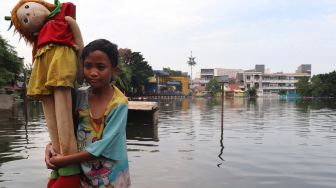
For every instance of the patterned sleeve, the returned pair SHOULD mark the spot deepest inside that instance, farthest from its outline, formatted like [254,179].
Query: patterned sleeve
[112,145]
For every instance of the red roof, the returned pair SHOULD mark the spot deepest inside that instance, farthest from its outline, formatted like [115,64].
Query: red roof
[199,88]
[234,87]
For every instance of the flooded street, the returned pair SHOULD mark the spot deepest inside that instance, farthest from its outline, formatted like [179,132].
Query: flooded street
[263,143]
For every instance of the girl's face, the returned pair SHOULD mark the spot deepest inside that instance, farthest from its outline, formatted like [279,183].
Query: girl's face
[32,16]
[98,69]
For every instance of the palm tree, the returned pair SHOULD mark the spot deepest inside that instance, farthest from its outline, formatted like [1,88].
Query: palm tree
[191,62]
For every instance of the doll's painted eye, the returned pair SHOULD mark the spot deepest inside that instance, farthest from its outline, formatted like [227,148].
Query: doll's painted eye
[27,7]
[25,20]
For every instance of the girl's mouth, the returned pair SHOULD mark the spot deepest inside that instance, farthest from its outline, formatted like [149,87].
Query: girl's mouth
[94,81]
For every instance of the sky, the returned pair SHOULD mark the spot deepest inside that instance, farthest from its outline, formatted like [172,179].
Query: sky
[235,34]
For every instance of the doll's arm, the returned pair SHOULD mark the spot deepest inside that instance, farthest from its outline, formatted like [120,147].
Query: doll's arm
[79,42]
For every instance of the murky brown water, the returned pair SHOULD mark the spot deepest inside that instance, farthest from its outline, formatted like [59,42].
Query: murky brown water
[264,143]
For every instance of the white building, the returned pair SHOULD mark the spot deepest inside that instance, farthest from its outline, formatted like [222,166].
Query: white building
[231,73]
[268,84]
[207,74]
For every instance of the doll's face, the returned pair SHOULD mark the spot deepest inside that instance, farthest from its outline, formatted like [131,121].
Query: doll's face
[32,16]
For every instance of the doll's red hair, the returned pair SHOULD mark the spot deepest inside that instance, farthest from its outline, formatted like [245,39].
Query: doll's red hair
[28,37]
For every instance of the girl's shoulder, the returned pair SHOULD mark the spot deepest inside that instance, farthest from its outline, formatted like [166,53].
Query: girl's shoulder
[119,96]
[118,100]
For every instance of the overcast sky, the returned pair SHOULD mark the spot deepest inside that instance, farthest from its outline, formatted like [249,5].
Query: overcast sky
[282,34]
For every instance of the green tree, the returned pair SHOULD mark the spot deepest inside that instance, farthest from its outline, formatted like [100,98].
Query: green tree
[251,92]
[323,85]
[172,72]
[213,86]
[317,86]
[282,92]
[331,83]
[10,64]
[123,80]
[135,72]
[303,87]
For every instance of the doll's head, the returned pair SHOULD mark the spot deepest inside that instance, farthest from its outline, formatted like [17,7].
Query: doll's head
[28,17]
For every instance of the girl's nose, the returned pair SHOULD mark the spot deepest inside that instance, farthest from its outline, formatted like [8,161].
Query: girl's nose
[94,73]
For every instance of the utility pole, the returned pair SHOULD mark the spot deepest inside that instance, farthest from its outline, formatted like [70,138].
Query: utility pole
[191,62]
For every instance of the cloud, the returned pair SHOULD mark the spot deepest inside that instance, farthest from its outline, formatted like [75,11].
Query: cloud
[282,34]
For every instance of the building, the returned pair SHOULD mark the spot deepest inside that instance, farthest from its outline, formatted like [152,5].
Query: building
[231,73]
[268,84]
[304,68]
[164,83]
[260,68]
[208,74]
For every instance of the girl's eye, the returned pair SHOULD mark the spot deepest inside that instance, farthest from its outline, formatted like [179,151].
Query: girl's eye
[87,66]
[27,7]
[101,67]
[25,20]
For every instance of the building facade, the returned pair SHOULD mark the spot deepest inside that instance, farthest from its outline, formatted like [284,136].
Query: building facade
[304,68]
[269,84]
[208,74]
[164,83]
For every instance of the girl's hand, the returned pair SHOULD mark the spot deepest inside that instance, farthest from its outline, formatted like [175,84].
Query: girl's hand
[58,160]
[49,152]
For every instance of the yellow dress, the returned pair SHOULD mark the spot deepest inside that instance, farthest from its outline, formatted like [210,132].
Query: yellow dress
[54,66]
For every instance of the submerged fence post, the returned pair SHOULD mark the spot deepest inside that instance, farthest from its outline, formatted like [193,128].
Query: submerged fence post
[222,128]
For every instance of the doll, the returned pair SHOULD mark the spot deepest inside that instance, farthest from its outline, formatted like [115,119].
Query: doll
[56,39]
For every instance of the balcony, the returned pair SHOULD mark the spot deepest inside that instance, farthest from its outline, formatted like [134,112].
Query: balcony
[279,87]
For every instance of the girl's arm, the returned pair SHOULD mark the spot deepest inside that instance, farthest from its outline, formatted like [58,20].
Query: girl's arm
[76,158]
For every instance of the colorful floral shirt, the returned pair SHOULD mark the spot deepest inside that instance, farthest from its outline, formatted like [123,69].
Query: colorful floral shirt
[108,144]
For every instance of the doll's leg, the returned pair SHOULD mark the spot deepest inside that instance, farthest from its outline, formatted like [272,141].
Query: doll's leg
[63,109]
[69,175]
[49,114]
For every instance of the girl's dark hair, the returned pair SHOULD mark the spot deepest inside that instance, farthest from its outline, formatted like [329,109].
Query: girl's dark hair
[110,49]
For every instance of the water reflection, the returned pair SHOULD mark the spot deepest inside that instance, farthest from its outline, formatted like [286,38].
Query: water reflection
[13,138]
[142,131]
[18,144]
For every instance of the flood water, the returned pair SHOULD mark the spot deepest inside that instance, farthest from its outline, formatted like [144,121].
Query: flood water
[263,143]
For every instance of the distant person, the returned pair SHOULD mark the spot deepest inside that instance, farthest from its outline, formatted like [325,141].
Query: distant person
[102,115]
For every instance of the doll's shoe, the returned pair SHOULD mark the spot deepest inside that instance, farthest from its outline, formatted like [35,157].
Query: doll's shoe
[52,179]
[51,182]
[68,177]
[67,182]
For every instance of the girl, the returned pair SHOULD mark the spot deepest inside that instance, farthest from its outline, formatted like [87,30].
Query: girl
[102,111]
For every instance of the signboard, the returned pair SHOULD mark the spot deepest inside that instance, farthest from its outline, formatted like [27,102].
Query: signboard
[222,79]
